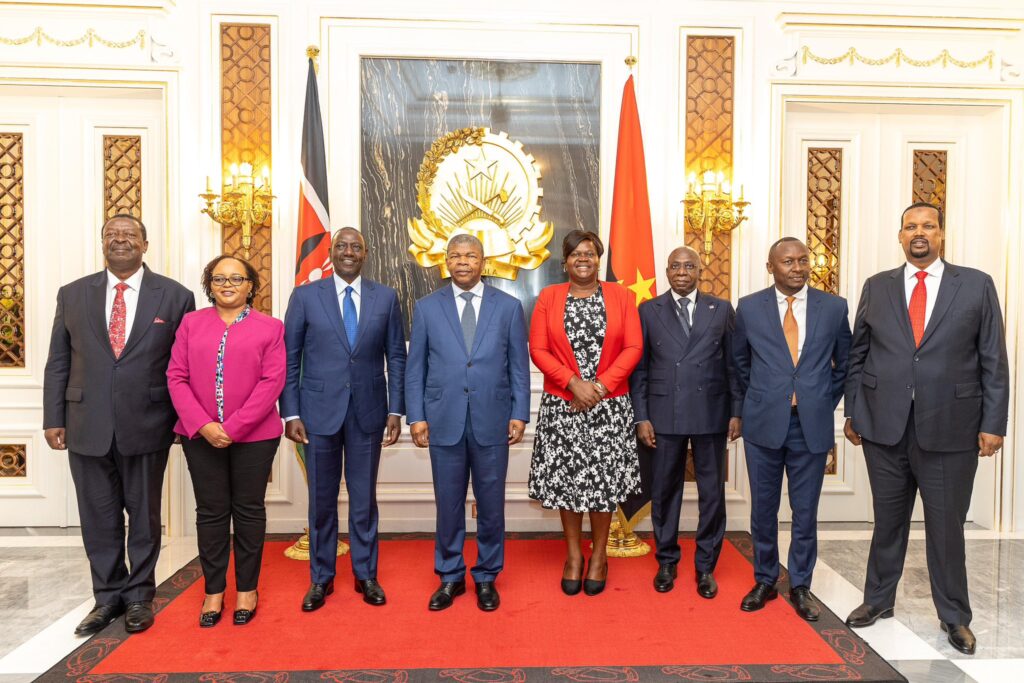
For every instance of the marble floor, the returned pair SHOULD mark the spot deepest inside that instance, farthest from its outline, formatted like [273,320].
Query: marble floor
[44,593]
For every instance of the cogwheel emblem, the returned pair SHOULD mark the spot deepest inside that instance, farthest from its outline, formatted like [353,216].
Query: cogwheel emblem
[476,182]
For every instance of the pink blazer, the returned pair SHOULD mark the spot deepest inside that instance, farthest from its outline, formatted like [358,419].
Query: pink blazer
[254,374]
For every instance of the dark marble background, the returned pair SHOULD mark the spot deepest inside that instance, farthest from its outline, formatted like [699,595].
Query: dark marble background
[553,108]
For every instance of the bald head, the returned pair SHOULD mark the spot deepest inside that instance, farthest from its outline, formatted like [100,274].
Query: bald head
[683,270]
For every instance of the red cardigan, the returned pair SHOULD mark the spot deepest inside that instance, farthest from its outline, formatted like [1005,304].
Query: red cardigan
[552,353]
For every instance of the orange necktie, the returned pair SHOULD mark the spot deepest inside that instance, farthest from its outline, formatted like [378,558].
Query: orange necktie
[792,332]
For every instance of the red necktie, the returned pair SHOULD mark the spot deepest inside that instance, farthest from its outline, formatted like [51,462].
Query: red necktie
[118,313]
[918,306]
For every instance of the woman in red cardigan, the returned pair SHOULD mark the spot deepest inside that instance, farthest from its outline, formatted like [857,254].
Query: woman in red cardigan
[585,337]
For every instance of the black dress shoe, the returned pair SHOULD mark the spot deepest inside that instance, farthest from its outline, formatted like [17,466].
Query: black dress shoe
[373,593]
[707,587]
[316,595]
[960,637]
[445,595]
[593,586]
[804,603]
[665,579]
[571,586]
[98,619]
[244,616]
[138,617]
[866,614]
[209,619]
[758,596]
[487,597]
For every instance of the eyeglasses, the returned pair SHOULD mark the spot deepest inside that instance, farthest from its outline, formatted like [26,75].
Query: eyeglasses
[235,280]
[689,267]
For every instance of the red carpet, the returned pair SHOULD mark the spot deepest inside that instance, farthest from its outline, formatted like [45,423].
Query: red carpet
[536,626]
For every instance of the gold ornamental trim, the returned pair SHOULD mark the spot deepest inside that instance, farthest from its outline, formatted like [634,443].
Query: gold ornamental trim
[476,182]
[39,36]
[899,57]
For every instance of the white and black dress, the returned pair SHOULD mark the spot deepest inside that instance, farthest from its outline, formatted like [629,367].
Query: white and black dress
[584,461]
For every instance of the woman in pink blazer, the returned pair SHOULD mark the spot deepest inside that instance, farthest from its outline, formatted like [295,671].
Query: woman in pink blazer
[226,373]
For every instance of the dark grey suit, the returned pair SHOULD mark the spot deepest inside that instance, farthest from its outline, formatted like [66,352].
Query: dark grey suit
[688,389]
[118,419]
[919,411]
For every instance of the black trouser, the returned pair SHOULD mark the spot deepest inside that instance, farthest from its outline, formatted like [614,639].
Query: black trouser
[107,486]
[230,486]
[668,467]
[945,481]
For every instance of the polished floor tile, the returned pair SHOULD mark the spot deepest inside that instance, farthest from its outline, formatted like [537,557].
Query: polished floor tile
[929,671]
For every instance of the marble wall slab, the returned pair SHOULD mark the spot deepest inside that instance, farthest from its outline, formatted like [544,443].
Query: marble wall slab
[553,108]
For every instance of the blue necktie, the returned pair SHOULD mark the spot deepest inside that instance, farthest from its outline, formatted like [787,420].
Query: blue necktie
[351,320]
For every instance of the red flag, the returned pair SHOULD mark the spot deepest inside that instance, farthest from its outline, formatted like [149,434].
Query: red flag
[630,244]
[313,242]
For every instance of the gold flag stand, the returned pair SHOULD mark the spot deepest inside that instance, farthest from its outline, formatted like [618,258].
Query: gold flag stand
[300,549]
[622,540]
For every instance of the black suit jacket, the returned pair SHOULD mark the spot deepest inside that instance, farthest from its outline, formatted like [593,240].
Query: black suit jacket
[686,385]
[958,379]
[94,395]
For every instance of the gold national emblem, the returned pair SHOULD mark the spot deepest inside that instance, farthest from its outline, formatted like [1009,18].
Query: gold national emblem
[476,182]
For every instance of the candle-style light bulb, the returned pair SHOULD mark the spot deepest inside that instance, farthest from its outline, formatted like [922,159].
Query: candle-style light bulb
[208,188]
[709,177]
[726,187]
[234,169]
[246,169]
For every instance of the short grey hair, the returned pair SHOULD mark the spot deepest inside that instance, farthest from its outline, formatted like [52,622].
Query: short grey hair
[463,238]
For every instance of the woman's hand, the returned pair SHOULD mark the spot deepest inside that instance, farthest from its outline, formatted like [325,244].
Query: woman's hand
[586,395]
[215,435]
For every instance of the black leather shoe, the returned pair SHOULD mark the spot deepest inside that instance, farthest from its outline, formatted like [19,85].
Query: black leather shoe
[209,619]
[665,579]
[593,586]
[138,617]
[758,596]
[804,603]
[372,592]
[98,619]
[707,587]
[445,595]
[316,595]
[960,637]
[866,614]
[571,586]
[487,597]
[244,616]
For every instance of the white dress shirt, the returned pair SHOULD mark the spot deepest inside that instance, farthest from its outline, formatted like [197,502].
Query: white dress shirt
[931,284]
[799,312]
[357,289]
[131,298]
[460,303]
[692,296]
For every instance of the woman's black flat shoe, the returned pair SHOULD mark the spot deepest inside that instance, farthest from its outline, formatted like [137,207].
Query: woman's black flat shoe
[571,586]
[209,619]
[592,586]
[244,616]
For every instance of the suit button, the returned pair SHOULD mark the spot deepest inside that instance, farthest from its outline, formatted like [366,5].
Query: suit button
[348,384]
[466,389]
[910,386]
[700,388]
[469,365]
[677,364]
[916,358]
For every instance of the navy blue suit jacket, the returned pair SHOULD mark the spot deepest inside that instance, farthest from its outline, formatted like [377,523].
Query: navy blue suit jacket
[768,377]
[686,385]
[324,371]
[491,380]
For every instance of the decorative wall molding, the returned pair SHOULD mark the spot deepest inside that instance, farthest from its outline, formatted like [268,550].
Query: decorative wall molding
[90,37]
[898,57]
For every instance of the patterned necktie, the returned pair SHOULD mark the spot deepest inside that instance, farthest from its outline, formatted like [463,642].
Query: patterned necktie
[918,307]
[468,320]
[118,314]
[350,317]
[683,311]
[792,332]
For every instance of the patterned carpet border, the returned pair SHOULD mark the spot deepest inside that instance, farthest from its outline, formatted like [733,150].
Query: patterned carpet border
[860,661]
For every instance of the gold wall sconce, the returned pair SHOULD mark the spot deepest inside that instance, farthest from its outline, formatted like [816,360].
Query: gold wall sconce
[709,208]
[246,201]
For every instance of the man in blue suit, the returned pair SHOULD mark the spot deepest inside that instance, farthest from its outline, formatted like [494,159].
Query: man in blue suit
[339,331]
[686,394]
[791,347]
[467,393]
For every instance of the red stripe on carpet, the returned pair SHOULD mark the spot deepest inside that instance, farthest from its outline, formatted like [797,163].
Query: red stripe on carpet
[536,626]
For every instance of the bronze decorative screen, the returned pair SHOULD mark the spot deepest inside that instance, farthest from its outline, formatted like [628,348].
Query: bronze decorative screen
[12,250]
[824,204]
[122,175]
[13,460]
[929,180]
[710,75]
[246,132]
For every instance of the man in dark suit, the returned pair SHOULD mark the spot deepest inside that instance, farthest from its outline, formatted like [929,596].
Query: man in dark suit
[686,393]
[105,400]
[468,398]
[338,332]
[927,394]
[791,347]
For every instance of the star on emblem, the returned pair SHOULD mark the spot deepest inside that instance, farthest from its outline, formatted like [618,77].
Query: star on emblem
[481,166]
[642,288]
